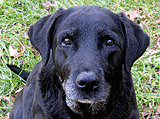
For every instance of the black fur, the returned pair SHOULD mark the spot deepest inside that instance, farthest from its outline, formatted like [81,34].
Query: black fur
[87,54]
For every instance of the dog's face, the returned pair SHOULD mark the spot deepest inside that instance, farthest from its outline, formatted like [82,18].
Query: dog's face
[92,49]
[88,52]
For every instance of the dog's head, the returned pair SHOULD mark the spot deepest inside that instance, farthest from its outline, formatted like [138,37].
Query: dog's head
[92,47]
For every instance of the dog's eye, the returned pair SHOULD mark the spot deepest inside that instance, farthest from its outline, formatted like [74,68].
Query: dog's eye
[66,41]
[109,42]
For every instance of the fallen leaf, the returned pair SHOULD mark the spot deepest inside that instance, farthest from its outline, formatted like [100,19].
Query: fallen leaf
[15,52]
[12,97]
[47,12]
[158,111]
[132,15]
[142,17]
[18,91]
[47,5]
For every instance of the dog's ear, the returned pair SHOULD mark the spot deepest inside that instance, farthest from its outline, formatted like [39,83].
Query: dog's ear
[40,34]
[136,41]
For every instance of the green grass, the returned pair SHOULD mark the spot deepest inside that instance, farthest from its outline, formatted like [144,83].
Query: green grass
[15,19]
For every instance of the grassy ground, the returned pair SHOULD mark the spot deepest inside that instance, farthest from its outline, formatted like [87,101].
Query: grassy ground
[15,48]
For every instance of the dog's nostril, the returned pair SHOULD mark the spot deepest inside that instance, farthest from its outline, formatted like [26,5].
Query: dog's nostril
[88,81]
[81,83]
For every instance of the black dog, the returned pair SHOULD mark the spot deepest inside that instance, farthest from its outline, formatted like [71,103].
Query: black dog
[87,53]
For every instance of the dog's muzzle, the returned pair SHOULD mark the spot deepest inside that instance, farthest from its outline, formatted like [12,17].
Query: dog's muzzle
[88,93]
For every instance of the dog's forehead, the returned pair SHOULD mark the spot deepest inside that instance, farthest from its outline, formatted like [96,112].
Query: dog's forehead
[90,20]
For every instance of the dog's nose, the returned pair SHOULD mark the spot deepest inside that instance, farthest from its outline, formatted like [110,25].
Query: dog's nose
[87,81]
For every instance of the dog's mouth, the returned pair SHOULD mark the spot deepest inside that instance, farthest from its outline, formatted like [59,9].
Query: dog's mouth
[86,106]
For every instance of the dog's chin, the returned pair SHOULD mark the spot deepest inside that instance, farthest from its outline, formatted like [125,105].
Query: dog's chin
[86,106]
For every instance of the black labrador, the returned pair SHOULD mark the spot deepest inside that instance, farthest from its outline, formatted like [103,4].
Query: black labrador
[85,73]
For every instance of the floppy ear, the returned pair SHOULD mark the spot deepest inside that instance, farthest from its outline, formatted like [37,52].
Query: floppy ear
[136,41]
[39,34]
